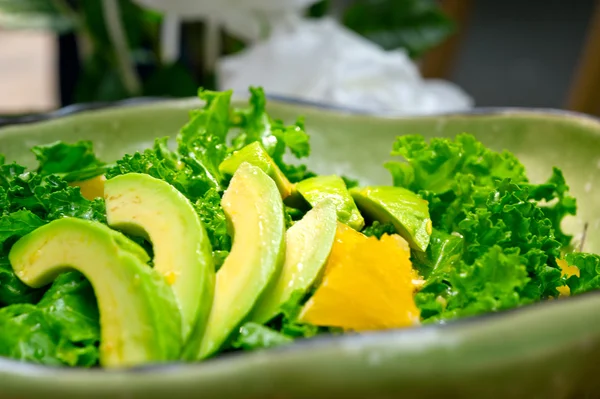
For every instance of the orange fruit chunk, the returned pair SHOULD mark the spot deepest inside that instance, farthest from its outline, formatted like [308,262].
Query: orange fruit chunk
[567,270]
[345,238]
[368,285]
[91,188]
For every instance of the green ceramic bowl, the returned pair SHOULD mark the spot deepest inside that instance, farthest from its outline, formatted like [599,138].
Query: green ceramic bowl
[548,350]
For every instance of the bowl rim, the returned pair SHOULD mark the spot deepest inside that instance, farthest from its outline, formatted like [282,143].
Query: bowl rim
[74,109]
[14,367]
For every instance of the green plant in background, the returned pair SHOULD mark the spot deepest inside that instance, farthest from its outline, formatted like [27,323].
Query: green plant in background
[118,42]
[118,47]
[415,25]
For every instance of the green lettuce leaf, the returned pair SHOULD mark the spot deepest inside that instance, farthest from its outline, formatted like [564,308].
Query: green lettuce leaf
[443,253]
[26,334]
[589,272]
[12,290]
[276,137]
[71,308]
[63,329]
[213,218]
[72,162]
[161,163]
[48,197]
[287,322]
[484,212]
[434,166]
[555,189]
[203,140]
[254,122]
[12,227]
[377,229]
[18,224]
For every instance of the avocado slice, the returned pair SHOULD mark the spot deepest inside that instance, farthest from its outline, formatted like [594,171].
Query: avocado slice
[319,188]
[308,244]
[254,209]
[140,204]
[408,212]
[139,320]
[255,154]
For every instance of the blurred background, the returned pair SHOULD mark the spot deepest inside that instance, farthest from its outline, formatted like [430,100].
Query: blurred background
[401,56]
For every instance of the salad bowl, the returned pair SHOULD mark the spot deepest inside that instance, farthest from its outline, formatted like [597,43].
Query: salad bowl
[545,350]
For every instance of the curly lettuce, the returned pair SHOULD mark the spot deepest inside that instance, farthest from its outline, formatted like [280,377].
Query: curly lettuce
[496,237]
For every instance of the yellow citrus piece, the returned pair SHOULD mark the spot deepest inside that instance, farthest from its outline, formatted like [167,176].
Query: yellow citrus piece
[567,270]
[368,285]
[91,188]
[345,238]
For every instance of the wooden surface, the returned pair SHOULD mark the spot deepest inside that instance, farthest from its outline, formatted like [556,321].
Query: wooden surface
[585,90]
[28,80]
[438,63]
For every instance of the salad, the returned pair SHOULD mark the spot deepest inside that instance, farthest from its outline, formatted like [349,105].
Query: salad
[218,243]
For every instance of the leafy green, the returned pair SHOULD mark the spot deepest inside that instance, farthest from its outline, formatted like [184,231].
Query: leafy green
[30,201]
[72,162]
[555,189]
[415,25]
[485,214]
[254,122]
[161,163]
[213,218]
[292,215]
[276,137]
[48,197]
[589,272]
[70,305]
[203,140]
[378,229]
[287,322]
[62,329]
[26,334]
[18,224]
[12,290]
[491,283]
[254,336]
[434,165]
[13,226]
[443,252]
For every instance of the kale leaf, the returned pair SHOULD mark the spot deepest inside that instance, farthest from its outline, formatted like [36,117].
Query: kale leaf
[494,245]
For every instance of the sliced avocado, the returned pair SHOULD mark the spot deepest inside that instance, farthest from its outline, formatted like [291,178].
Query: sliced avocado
[254,209]
[140,204]
[308,244]
[256,155]
[319,188]
[407,211]
[139,320]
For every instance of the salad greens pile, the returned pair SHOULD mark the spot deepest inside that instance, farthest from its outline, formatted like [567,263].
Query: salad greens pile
[59,324]
[495,243]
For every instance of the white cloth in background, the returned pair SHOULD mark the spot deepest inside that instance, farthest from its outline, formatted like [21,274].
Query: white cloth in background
[320,60]
[316,60]
[245,19]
